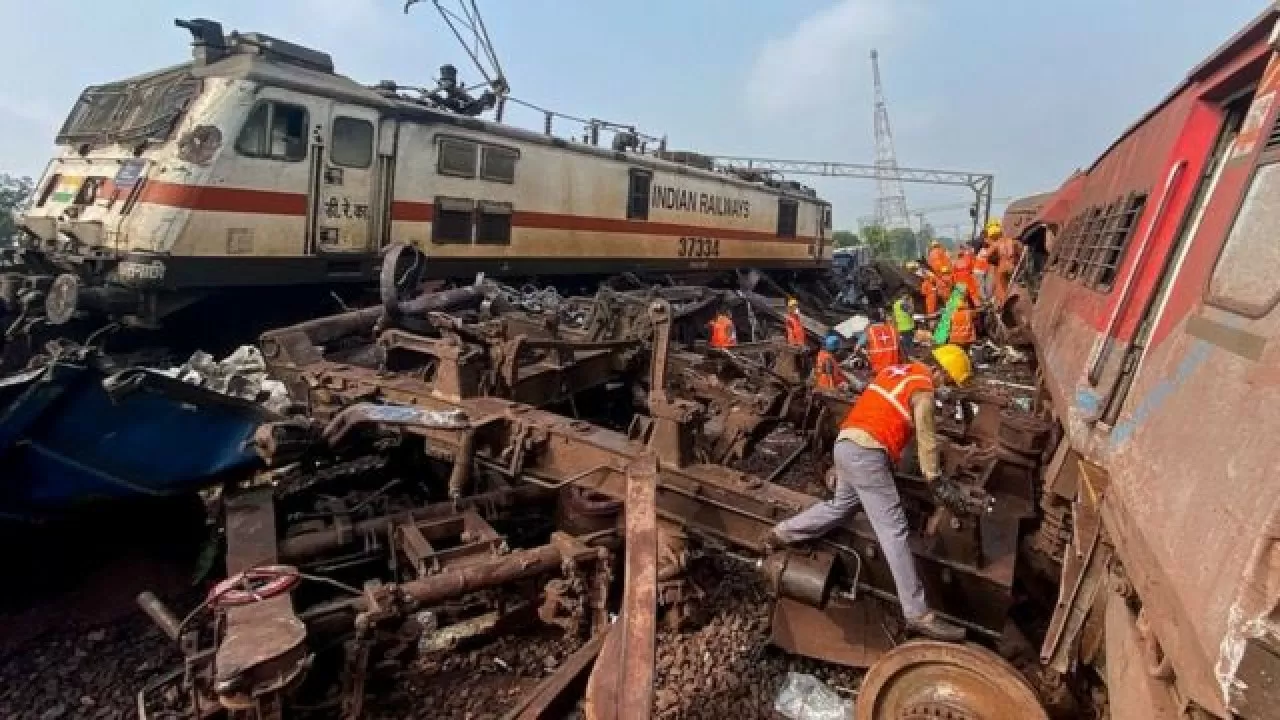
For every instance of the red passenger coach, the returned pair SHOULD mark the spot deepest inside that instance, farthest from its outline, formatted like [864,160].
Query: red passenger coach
[1155,326]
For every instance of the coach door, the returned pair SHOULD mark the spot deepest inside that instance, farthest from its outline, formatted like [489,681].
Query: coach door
[819,245]
[346,212]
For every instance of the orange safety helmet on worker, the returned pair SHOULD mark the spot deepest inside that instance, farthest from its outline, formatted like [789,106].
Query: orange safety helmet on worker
[723,333]
[883,411]
[794,326]
[825,368]
[882,346]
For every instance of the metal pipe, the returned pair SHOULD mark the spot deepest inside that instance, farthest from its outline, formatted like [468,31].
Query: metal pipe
[160,614]
[1104,345]
[304,547]
[517,565]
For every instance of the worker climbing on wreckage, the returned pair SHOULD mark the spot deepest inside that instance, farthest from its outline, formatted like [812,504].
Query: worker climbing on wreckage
[1005,253]
[897,404]
[794,325]
[882,345]
[723,332]
[826,370]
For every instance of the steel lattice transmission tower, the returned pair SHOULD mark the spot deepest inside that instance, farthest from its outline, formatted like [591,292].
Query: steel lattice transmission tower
[891,199]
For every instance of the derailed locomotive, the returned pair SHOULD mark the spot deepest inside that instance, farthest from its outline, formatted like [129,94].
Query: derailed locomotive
[1155,327]
[257,166]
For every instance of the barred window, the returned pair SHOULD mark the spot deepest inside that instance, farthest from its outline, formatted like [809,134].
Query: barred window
[1063,247]
[1091,248]
[1106,258]
[1090,226]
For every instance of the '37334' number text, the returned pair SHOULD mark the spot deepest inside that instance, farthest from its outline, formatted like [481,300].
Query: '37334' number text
[699,247]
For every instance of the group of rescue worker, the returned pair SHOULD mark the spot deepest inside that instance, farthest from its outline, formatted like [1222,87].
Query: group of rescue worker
[897,405]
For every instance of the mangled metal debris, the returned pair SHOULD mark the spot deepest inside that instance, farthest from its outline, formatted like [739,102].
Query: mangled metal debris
[469,455]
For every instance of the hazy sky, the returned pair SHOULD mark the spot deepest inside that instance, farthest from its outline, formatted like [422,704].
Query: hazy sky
[1027,89]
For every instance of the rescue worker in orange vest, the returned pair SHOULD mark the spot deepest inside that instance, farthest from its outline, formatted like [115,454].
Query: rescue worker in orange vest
[982,270]
[939,258]
[882,346]
[723,333]
[963,330]
[826,371]
[897,405]
[929,289]
[795,328]
[1006,252]
[964,275]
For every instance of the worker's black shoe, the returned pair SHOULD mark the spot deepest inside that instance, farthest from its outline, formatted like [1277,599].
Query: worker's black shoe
[934,627]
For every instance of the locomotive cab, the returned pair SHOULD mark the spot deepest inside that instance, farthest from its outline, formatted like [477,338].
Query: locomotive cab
[209,175]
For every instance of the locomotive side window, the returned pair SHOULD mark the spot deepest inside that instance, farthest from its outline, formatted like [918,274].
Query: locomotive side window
[788,211]
[493,226]
[452,222]
[276,131]
[457,158]
[498,163]
[352,144]
[638,195]
[1244,279]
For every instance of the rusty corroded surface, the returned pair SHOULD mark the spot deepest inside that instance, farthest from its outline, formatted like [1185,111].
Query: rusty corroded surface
[925,679]
[621,686]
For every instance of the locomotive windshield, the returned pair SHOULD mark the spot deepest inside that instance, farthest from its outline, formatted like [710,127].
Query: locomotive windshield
[140,109]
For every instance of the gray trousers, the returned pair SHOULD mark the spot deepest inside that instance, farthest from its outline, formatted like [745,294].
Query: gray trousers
[864,475]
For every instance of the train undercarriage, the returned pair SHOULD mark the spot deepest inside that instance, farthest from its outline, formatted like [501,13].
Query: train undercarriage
[459,467]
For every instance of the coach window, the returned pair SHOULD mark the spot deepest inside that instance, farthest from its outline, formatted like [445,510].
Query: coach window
[352,144]
[452,221]
[498,163]
[788,210]
[276,131]
[638,195]
[1244,278]
[493,226]
[1116,240]
[457,157]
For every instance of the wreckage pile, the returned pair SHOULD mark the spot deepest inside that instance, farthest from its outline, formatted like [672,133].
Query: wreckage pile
[522,505]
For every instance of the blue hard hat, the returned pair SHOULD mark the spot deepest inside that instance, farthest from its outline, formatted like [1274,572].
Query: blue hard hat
[831,342]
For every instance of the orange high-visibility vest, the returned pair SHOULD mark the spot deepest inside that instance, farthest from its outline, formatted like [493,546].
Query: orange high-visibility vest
[929,289]
[962,329]
[882,346]
[795,330]
[965,276]
[883,411]
[722,333]
[824,370]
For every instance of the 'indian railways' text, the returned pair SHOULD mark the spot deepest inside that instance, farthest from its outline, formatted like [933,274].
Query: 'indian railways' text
[670,198]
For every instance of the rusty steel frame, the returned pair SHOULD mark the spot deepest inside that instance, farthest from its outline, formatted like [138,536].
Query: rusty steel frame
[528,444]
[479,374]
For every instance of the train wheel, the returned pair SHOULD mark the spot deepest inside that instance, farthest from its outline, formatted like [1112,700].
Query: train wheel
[942,681]
[403,268]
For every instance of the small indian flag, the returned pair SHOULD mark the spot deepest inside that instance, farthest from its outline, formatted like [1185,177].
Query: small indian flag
[68,186]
